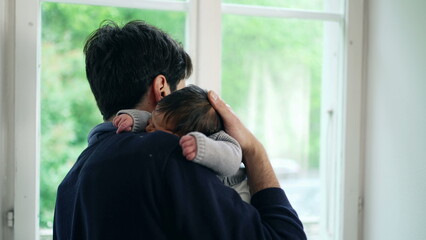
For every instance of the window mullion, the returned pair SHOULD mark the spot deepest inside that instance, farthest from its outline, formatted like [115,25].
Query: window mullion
[26,113]
[136,4]
[352,121]
[276,12]
[191,36]
[208,45]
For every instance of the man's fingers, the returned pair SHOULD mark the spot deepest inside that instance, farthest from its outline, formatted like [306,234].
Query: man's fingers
[229,117]
[233,126]
[218,104]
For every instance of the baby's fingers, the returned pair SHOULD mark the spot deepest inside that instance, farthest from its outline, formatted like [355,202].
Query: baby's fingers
[189,147]
[191,156]
[185,140]
[124,125]
[189,152]
[116,121]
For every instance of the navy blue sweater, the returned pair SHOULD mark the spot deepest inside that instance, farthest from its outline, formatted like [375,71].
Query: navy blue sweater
[139,186]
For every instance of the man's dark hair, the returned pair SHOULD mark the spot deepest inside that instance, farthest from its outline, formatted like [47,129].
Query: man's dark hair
[121,63]
[188,110]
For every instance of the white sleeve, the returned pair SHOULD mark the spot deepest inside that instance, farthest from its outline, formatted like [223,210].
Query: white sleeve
[219,152]
[140,118]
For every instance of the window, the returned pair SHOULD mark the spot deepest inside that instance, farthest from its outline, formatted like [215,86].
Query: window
[284,68]
[317,5]
[68,108]
[272,71]
[276,71]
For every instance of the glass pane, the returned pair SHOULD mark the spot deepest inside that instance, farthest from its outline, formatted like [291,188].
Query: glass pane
[295,4]
[271,76]
[68,108]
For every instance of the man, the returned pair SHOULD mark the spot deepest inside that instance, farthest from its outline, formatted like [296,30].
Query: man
[139,186]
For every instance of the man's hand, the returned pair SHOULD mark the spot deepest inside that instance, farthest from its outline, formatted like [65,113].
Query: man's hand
[233,125]
[259,169]
[123,122]
[189,147]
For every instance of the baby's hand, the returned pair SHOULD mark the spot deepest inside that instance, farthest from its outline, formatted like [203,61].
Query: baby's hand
[124,122]
[189,147]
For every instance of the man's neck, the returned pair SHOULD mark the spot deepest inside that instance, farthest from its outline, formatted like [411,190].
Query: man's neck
[145,106]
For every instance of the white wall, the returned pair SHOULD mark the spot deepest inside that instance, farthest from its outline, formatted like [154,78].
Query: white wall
[395,157]
[395,146]
[6,115]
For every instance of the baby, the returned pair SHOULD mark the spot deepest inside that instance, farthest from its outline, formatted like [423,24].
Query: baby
[188,114]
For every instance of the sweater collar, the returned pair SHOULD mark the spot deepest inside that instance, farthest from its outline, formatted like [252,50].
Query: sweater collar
[96,133]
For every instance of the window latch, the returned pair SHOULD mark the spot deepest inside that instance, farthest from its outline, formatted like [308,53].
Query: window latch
[10,218]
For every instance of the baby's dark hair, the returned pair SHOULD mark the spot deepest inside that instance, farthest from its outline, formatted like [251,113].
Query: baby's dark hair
[188,110]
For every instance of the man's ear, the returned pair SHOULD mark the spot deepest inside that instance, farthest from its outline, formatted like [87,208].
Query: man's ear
[160,87]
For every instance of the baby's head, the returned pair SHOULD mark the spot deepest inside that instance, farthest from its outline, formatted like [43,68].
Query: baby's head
[184,111]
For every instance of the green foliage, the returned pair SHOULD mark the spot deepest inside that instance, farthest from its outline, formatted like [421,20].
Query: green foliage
[267,63]
[68,108]
[295,4]
[262,49]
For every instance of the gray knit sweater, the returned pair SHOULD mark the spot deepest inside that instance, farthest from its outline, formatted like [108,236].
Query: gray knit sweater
[219,151]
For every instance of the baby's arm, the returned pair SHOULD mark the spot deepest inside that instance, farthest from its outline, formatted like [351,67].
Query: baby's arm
[131,119]
[219,152]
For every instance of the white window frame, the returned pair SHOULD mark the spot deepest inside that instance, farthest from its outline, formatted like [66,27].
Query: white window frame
[205,48]
[26,115]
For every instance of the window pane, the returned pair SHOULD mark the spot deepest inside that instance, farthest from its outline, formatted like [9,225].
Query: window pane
[271,76]
[295,4]
[68,108]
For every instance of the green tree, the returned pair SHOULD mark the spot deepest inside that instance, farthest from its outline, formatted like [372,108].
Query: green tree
[68,108]
[281,51]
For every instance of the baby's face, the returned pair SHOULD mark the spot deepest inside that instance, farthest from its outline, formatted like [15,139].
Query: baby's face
[158,123]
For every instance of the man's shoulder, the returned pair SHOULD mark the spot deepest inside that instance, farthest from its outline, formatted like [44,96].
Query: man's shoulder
[157,142]
[129,154]
[126,146]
